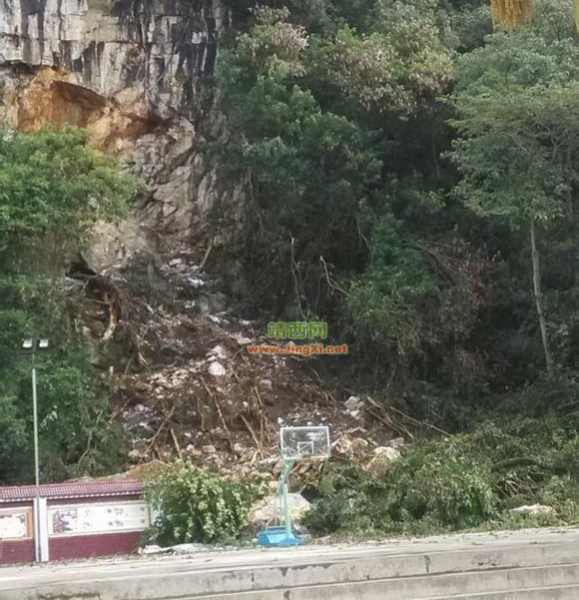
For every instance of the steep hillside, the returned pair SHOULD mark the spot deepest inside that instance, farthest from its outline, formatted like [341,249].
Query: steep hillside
[404,172]
[138,76]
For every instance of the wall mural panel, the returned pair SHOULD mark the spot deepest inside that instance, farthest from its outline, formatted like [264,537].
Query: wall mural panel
[86,519]
[16,524]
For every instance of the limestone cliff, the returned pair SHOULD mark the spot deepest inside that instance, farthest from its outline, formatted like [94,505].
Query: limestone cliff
[138,75]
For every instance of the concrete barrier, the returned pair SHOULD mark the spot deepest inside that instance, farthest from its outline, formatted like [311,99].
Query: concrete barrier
[485,567]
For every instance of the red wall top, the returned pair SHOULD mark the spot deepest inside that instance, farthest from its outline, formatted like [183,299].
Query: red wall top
[76,490]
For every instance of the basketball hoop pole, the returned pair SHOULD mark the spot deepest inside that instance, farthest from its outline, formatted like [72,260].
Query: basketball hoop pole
[283,490]
[296,443]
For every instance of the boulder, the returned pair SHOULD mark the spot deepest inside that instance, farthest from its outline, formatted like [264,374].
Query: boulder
[382,458]
[267,510]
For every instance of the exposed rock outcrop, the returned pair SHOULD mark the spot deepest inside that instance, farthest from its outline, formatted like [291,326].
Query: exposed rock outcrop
[137,74]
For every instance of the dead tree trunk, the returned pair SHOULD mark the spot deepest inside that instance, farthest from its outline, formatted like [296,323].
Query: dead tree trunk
[539,296]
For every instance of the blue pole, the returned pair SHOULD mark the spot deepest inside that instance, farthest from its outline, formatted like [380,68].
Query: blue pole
[288,466]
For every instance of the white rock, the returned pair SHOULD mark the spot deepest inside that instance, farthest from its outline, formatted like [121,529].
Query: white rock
[218,352]
[386,452]
[195,282]
[243,341]
[217,369]
[383,458]
[266,384]
[353,403]
[270,508]
[534,509]
[397,443]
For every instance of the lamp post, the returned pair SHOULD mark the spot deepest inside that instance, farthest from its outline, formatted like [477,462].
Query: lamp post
[32,345]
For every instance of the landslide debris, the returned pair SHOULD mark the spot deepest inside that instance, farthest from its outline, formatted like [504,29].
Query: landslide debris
[185,383]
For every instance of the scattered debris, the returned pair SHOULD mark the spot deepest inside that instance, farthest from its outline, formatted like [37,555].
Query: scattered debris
[349,446]
[533,510]
[191,389]
[177,549]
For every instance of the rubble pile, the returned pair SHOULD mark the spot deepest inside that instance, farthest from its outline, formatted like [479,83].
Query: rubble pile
[192,390]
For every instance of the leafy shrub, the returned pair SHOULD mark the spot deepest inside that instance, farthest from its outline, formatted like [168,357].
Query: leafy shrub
[459,482]
[198,506]
[443,484]
[53,188]
[348,500]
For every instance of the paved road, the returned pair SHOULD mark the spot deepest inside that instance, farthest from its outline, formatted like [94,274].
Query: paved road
[110,576]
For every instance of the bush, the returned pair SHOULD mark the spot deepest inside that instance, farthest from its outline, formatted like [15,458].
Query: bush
[348,500]
[198,506]
[53,188]
[441,483]
[460,482]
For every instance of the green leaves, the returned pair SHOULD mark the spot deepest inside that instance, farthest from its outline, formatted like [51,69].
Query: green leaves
[457,482]
[53,188]
[309,167]
[197,506]
[518,150]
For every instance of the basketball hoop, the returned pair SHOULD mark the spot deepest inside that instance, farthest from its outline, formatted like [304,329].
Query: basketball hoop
[296,444]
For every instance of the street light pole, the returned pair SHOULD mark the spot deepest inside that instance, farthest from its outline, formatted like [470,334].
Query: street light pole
[32,345]
[36,455]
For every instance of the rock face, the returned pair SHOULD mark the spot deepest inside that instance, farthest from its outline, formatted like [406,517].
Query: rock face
[138,75]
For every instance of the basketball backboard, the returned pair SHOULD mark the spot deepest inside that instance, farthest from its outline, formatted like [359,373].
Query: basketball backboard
[307,442]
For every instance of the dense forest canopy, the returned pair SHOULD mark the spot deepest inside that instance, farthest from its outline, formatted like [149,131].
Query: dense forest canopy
[414,180]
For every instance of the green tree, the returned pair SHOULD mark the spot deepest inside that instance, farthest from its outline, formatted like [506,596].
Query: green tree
[53,188]
[198,506]
[518,157]
[309,168]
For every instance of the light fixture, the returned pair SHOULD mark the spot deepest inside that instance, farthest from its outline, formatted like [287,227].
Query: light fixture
[27,344]
[43,343]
